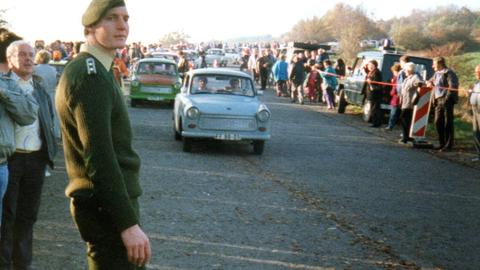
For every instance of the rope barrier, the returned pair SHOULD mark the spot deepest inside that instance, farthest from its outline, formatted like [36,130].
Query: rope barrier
[391,84]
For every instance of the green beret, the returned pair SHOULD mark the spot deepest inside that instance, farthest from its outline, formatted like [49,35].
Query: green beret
[97,9]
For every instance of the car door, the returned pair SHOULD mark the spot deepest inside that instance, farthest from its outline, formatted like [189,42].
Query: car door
[355,81]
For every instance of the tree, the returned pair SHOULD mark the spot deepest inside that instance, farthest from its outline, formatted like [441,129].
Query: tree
[349,26]
[408,36]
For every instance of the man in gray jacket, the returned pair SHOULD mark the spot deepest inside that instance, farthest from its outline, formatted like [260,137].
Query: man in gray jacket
[35,148]
[16,107]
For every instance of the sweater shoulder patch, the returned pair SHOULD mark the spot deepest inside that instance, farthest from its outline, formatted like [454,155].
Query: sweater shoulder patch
[91,68]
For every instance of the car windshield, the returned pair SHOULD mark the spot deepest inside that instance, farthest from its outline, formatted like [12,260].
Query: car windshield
[156,68]
[222,85]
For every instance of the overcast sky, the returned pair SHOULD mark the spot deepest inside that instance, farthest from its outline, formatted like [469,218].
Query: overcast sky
[201,19]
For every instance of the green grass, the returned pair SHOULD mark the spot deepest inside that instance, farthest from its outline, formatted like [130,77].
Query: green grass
[464,66]
[463,134]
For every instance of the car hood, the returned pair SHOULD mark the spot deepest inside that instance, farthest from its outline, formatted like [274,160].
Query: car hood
[225,104]
[155,79]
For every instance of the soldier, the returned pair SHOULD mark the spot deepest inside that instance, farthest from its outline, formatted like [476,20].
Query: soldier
[102,166]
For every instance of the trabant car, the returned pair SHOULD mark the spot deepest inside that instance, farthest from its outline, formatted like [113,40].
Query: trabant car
[166,55]
[217,55]
[220,104]
[350,90]
[154,79]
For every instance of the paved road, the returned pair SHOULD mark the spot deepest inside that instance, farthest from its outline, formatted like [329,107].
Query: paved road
[324,195]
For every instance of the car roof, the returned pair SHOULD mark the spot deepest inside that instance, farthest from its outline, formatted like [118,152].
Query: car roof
[219,71]
[156,60]
[379,54]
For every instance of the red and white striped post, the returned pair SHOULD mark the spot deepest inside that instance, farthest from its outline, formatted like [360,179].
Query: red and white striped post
[419,125]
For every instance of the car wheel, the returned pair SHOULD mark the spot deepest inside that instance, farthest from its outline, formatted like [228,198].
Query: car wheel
[367,111]
[178,135]
[342,102]
[187,144]
[133,103]
[258,147]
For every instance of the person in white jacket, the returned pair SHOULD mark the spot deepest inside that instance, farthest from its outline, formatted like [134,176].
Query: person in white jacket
[475,103]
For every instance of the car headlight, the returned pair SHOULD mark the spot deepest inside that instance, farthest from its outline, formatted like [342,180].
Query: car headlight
[263,115]
[178,85]
[135,83]
[193,113]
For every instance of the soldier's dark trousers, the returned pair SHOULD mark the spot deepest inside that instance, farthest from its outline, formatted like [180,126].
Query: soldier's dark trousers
[444,122]
[20,209]
[105,249]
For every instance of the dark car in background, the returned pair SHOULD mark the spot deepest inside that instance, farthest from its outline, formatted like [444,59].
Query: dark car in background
[350,90]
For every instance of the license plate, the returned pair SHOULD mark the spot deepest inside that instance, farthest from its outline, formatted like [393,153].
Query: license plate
[228,137]
[154,98]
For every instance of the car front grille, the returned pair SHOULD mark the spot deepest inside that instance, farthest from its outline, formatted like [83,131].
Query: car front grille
[156,90]
[230,124]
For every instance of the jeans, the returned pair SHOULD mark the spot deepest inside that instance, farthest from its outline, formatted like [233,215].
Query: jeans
[394,113]
[3,185]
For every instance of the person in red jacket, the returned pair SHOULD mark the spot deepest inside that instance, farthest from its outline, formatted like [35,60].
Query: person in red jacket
[394,98]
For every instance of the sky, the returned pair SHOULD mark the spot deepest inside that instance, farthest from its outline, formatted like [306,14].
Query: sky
[202,20]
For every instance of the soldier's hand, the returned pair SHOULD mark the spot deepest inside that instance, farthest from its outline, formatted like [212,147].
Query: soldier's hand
[137,244]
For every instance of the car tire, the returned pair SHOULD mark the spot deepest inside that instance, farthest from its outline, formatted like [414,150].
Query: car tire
[178,135]
[187,144]
[133,103]
[367,111]
[342,102]
[258,147]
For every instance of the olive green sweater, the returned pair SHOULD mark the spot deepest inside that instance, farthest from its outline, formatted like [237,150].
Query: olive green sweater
[97,140]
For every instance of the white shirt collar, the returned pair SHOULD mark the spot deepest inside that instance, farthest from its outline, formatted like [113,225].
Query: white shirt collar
[17,79]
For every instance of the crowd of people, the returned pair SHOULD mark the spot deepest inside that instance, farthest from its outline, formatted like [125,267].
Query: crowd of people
[104,185]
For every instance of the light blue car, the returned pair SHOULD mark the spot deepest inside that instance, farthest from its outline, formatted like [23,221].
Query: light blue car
[220,104]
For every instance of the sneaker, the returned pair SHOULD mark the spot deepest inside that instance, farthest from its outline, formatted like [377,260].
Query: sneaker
[402,141]
[476,159]
[47,173]
[388,128]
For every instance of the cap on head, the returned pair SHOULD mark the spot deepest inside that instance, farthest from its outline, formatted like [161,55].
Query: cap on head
[97,9]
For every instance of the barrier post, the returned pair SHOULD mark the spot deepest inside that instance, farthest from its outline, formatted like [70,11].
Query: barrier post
[421,111]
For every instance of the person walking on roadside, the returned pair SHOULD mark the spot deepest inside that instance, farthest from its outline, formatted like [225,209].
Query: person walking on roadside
[35,148]
[17,108]
[252,64]
[475,103]
[297,76]
[329,84]
[102,166]
[49,77]
[409,91]
[280,75]
[394,98]
[313,82]
[263,68]
[374,92]
[445,96]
